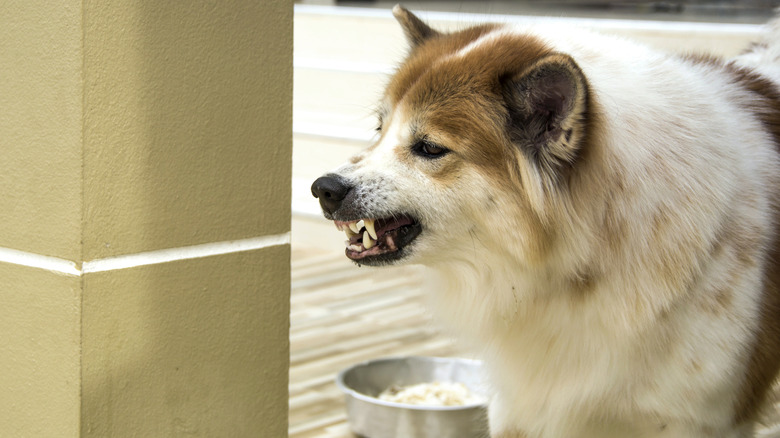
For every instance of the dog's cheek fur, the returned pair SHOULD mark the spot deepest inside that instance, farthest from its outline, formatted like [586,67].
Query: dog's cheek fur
[472,193]
[388,179]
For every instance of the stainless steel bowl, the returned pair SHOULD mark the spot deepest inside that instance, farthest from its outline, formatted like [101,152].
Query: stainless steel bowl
[374,418]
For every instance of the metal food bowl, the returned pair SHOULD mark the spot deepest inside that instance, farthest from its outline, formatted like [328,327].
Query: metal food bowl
[371,417]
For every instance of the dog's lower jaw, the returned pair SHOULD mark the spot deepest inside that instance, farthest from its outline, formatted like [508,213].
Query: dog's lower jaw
[366,257]
[389,248]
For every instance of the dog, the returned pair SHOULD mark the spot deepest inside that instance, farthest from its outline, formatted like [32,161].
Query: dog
[599,219]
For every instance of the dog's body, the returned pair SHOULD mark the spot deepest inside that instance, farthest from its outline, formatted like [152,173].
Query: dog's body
[600,220]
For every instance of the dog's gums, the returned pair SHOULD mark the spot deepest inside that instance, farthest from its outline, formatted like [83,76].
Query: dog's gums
[376,241]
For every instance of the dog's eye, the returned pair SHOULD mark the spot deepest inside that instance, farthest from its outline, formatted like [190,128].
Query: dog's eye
[429,150]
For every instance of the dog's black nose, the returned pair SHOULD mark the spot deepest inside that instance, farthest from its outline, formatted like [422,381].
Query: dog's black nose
[331,191]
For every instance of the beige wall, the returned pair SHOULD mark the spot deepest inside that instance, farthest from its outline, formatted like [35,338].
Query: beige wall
[145,152]
[40,126]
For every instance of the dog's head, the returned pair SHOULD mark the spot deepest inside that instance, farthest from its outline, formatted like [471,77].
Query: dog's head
[477,132]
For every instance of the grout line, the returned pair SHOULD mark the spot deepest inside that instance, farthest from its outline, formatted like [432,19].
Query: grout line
[183,253]
[68,267]
[32,260]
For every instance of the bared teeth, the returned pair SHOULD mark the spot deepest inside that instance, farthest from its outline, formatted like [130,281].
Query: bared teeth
[352,229]
[368,242]
[369,224]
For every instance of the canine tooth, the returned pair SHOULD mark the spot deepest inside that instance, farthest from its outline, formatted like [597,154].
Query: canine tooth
[368,242]
[353,226]
[348,231]
[369,224]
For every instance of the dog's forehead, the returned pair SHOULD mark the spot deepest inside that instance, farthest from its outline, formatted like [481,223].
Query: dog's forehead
[450,86]
[422,57]
[470,61]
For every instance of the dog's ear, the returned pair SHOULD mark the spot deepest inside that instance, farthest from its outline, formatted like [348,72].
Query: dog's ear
[416,30]
[547,108]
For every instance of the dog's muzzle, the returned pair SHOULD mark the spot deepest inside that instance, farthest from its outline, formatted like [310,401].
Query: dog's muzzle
[371,240]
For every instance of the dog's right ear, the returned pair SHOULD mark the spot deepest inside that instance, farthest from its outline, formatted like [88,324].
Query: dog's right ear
[548,121]
[416,30]
[547,107]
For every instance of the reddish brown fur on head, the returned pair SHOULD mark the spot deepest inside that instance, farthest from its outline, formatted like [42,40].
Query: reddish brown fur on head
[501,100]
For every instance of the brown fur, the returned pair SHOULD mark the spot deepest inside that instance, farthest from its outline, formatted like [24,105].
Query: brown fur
[445,94]
[423,57]
[415,29]
[766,104]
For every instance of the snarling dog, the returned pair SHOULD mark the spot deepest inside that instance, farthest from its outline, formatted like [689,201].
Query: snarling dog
[600,219]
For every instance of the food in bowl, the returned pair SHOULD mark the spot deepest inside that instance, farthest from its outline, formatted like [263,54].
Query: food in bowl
[431,394]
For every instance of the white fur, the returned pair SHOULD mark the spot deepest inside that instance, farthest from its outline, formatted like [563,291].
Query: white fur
[637,357]
[568,370]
